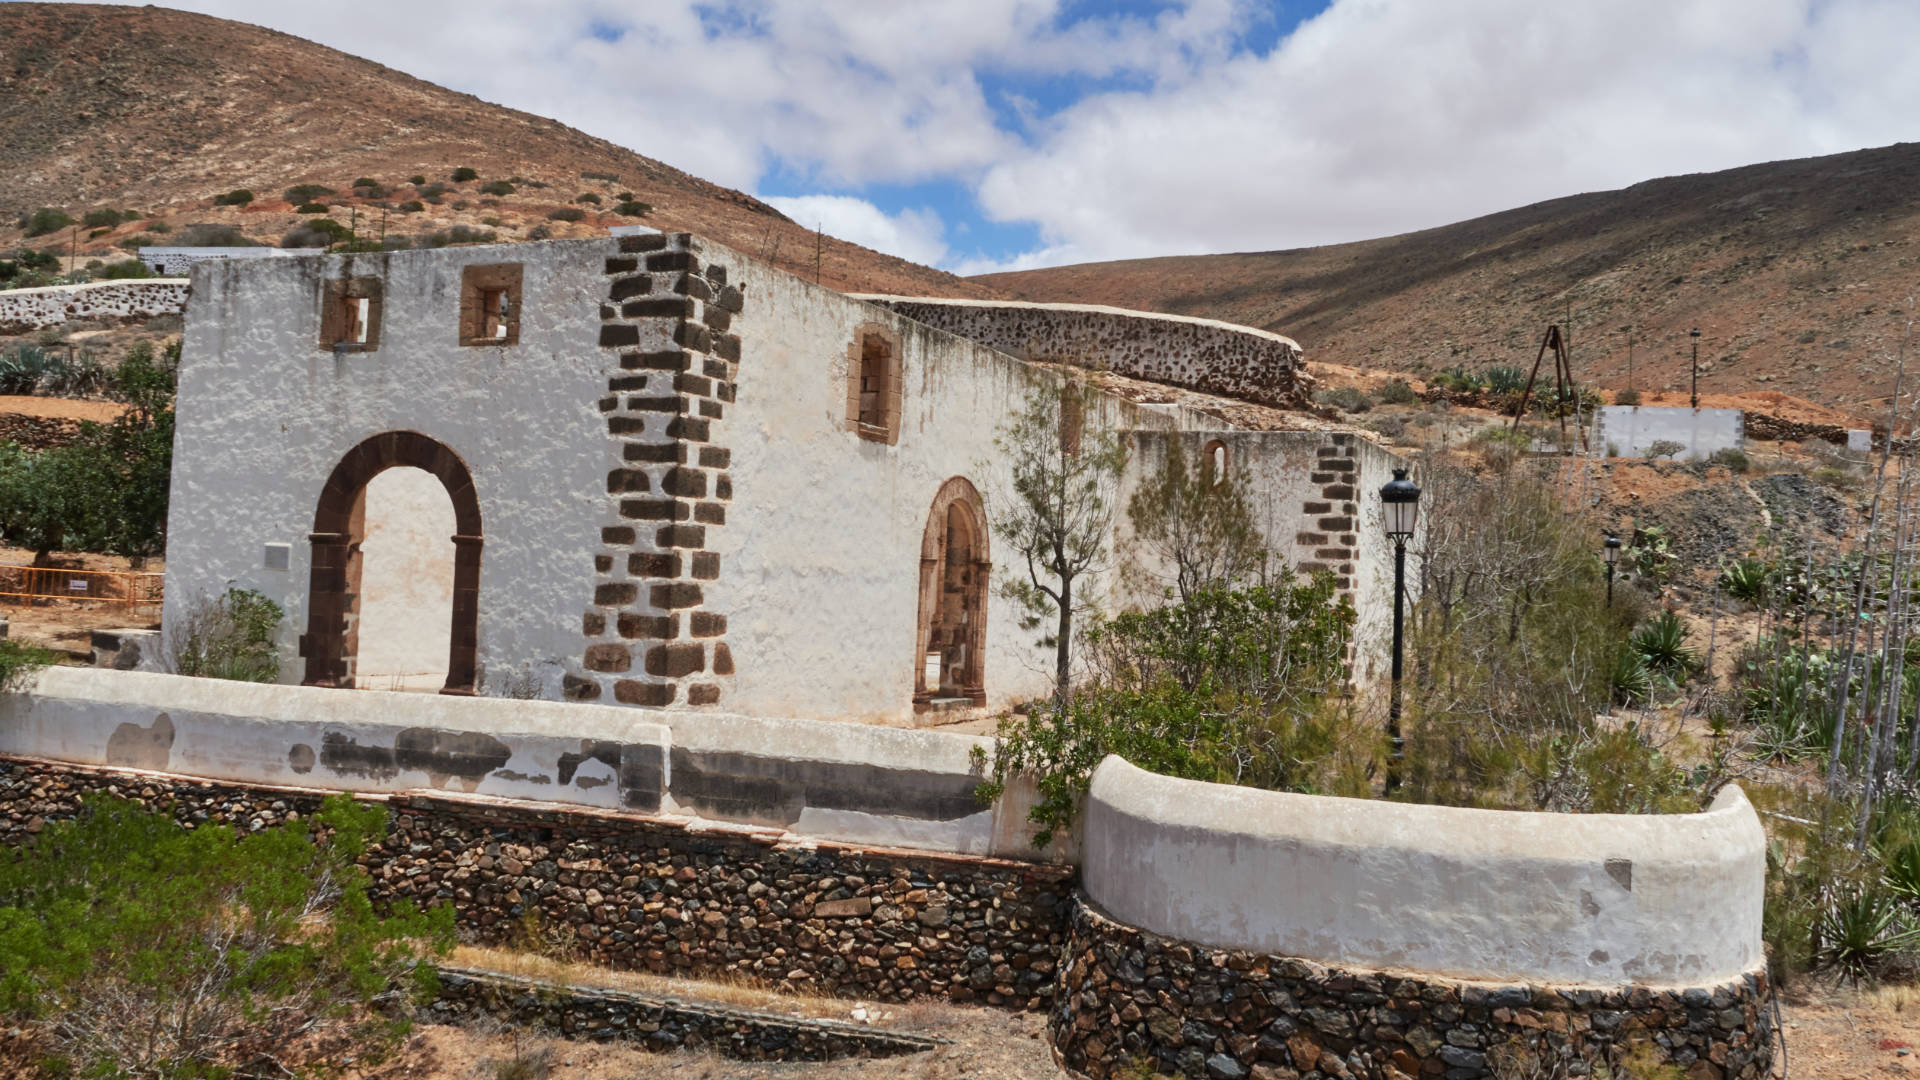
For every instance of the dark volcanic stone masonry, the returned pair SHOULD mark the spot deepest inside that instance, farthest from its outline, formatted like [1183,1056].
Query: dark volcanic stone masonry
[647,893]
[1228,1015]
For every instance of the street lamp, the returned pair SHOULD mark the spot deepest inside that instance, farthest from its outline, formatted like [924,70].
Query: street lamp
[1400,508]
[1612,552]
[1695,335]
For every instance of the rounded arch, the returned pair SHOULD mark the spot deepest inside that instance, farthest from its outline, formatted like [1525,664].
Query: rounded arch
[330,642]
[1213,462]
[955,565]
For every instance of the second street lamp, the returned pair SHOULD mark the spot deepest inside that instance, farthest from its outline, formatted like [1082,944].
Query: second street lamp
[1611,550]
[1399,510]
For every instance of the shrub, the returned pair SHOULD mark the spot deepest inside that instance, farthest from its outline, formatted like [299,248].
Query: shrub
[1746,580]
[463,174]
[311,208]
[124,269]
[539,232]
[1836,478]
[160,227]
[496,187]
[1348,398]
[1503,379]
[101,219]
[1665,448]
[46,220]
[135,947]
[625,196]
[1628,396]
[568,213]
[138,241]
[320,232]
[372,190]
[1398,392]
[236,197]
[306,193]
[588,197]
[19,662]
[1225,686]
[416,181]
[460,234]
[1662,643]
[412,206]
[212,236]
[1734,460]
[366,181]
[490,221]
[633,208]
[232,637]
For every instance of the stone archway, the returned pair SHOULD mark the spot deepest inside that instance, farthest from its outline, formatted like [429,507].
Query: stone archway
[331,641]
[951,637]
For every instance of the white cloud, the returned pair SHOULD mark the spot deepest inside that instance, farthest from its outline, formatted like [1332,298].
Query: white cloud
[1381,116]
[1374,117]
[915,235]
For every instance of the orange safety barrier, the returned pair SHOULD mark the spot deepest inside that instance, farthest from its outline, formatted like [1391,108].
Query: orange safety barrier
[129,588]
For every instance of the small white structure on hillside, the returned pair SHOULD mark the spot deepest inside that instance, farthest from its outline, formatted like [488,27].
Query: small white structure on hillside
[177,261]
[1633,430]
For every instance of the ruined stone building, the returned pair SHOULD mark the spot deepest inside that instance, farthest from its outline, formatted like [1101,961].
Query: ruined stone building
[651,471]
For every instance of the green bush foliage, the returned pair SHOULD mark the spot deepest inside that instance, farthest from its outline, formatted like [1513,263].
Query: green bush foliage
[633,208]
[460,234]
[1662,643]
[497,187]
[101,219]
[1504,379]
[1732,459]
[212,236]
[19,662]
[136,948]
[463,174]
[588,197]
[236,197]
[107,491]
[1347,398]
[232,637]
[311,208]
[412,206]
[124,269]
[1628,396]
[1228,685]
[46,220]
[366,182]
[1746,580]
[1398,392]
[568,213]
[416,180]
[306,193]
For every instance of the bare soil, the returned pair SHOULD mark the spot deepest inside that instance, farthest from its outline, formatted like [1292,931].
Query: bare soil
[66,625]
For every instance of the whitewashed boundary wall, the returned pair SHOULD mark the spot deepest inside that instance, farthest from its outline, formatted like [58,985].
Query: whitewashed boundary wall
[24,310]
[1631,430]
[840,782]
[1200,354]
[1589,899]
[1586,899]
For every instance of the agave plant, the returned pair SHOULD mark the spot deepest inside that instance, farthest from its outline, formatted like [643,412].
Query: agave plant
[1862,928]
[1746,580]
[1631,680]
[1662,644]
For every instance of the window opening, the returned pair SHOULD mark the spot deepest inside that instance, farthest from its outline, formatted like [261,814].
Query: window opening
[490,304]
[873,382]
[493,312]
[873,386]
[1216,462]
[350,314]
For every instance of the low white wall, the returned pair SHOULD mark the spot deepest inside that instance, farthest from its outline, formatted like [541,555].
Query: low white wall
[843,782]
[1589,899]
[1631,430]
[22,310]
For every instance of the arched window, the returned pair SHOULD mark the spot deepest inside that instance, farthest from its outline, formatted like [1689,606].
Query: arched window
[1214,462]
[950,641]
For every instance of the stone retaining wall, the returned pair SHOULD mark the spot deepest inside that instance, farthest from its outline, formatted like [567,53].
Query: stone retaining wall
[23,310]
[661,1023]
[641,892]
[1130,997]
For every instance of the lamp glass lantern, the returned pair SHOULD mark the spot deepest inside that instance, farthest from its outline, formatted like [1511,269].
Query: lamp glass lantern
[1611,550]
[1400,505]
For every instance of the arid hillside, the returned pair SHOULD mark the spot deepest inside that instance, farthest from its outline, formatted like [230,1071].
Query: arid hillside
[158,111]
[1797,274]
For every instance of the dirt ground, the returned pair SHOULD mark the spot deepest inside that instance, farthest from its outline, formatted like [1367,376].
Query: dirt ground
[66,625]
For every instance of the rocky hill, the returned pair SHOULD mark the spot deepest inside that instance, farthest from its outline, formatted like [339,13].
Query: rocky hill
[1797,273]
[111,108]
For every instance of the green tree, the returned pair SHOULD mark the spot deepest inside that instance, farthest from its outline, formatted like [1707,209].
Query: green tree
[46,220]
[137,948]
[1058,515]
[1195,521]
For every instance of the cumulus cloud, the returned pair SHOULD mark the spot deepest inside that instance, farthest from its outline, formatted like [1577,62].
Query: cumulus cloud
[1372,117]
[914,235]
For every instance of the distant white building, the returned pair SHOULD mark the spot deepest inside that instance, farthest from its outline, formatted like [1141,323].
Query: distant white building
[178,261]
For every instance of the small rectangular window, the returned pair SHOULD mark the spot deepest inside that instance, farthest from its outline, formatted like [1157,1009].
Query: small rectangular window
[350,313]
[490,304]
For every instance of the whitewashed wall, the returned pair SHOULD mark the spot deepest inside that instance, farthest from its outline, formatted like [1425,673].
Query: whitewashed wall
[1588,899]
[1631,430]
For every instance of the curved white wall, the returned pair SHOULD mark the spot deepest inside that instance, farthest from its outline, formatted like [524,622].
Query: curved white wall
[1590,899]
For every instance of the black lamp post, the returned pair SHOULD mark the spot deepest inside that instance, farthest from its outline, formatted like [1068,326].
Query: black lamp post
[1695,335]
[1399,507]
[1612,552]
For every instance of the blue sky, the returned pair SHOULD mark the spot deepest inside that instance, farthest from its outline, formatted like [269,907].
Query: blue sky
[986,134]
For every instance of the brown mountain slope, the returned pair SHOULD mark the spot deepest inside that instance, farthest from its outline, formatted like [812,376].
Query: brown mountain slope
[1797,273]
[156,110]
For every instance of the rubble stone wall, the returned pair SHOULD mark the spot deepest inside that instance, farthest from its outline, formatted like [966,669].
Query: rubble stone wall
[24,310]
[1200,354]
[1132,997]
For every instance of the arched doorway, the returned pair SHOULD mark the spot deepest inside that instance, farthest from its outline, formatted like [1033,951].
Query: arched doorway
[331,643]
[950,652]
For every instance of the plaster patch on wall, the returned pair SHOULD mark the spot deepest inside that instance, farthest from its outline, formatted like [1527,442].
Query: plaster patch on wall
[142,748]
